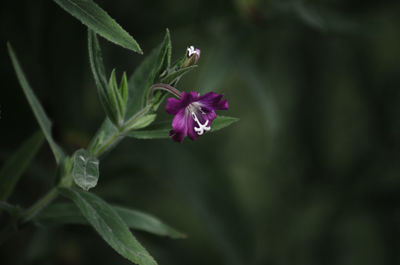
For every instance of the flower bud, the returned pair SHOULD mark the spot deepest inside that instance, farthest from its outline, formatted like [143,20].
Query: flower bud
[192,56]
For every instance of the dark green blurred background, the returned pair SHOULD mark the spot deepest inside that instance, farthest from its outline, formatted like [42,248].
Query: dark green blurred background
[310,174]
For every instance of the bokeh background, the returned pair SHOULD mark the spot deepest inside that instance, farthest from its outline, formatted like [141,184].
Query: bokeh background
[309,175]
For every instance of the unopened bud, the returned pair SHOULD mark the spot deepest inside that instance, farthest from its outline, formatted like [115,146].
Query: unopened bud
[192,56]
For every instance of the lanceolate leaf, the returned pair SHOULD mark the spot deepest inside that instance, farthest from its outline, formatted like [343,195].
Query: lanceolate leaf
[85,169]
[40,115]
[97,66]
[161,130]
[221,122]
[17,163]
[96,19]
[143,221]
[109,225]
[143,122]
[177,74]
[68,213]
[96,61]
[147,74]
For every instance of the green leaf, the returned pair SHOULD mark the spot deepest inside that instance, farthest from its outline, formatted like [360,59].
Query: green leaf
[146,75]
[96,19]
[123,86]
[172,77]
[161,130]
[68,213]
[40,115]
[97,66]
[143,122]
[16,164]
[113,95]
[146,222]
[120,93]
[60,213]
[221,122]
[85,169]
[158,130]
[109,225]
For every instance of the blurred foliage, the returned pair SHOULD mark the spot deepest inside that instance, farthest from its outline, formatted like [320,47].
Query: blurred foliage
[310,174]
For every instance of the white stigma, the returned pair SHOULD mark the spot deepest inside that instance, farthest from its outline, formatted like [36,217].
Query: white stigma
[202,127]
[191,51]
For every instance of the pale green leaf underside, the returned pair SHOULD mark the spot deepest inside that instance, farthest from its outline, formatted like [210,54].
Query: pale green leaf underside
[161,130]
[68,213]
[16,164]
[95,18]
[105,220]
[40,115]
[85,170]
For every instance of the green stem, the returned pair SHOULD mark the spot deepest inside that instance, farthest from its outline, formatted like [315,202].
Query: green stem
[119,134]
[107,144]
[6,206]
[39,205]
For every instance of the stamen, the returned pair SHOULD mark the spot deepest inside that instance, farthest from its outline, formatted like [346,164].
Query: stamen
[202,127]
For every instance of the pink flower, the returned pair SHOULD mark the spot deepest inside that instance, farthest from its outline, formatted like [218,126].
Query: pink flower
[194,113]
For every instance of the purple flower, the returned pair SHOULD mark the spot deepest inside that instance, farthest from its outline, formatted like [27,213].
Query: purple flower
[194,113]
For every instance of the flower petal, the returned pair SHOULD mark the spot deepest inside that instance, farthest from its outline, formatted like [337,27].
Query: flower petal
[179,126]
[175,105]
[211,116]
[183,125]
[190,129]
[213,101]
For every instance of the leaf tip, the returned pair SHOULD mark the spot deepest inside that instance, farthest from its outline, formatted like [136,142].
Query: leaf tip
[10,48]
